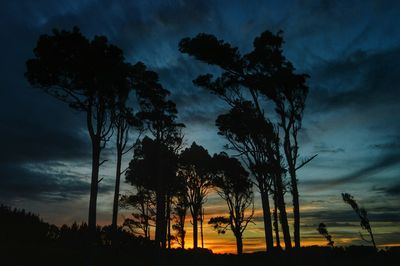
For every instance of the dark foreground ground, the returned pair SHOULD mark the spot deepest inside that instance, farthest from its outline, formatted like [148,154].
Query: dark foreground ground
[106,256]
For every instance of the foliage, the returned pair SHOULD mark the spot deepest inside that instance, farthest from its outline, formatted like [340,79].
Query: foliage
[362,214]
[219,223]
[324,232]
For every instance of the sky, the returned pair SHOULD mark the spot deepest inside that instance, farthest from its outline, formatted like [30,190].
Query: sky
[350,49]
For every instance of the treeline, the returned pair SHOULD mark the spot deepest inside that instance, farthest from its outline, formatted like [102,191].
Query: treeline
[26,239]
[127,103]
[24,229]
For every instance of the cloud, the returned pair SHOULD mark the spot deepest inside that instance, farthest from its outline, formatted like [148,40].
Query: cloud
[380,164]
[391,190]
[361,81]
[17,181]
[323,148]
[49,182]
[394,144]
[331,217]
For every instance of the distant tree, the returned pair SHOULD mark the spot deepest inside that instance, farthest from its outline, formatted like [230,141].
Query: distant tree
[156,157]
[87,75]
[145,171]
[143,211]
[195,166]
[181,207]
[362,214]
[234,186]
[324,232]
[19,226]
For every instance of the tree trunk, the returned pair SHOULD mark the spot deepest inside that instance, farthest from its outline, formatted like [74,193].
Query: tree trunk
[267,217]
[195,217]
[183,238]
[296,210]
[276,223]
[372,237]
[114,223]
[201,227]
[282,212]
[160,220]
[291,162]
[239,243]
[94,185]
[168,219]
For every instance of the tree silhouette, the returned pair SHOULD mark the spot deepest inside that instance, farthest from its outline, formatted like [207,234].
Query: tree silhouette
[324,232]
[143,212]
[143,173]
[159,155]
[181,207]
[87,75]
[289,93]
[362,214]
[195,166]
[258,77]
[234,186]
[123,120]
[255,138]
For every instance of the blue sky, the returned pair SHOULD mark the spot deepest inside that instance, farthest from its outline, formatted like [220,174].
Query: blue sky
[351,50]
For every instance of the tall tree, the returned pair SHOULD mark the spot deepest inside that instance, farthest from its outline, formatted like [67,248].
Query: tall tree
[362,214]
[143,173]
[255,139]
[195,166]
[235,187]
[159,117]
[85,74]
[261,76]
[123,120]
[289,92]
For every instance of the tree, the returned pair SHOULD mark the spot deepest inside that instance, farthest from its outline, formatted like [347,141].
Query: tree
[159,117]
[87,75]
[324,232]
[143,173]
[261,76]
[289,93]
[181,207]
[235,187]
[256,140]
[195,167]
[362,214]
[123,120]
[143,212]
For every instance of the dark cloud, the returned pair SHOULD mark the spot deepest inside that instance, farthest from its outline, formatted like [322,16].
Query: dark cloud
[332,217]
[394,190]
[394,144]
[380,164]
[29,141]
[50,181]
[21,182]
[391,190]
[323,148]
[361,81]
